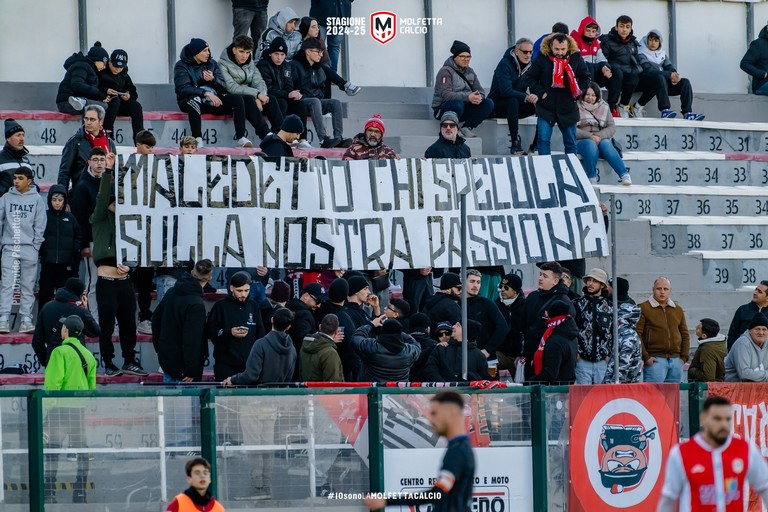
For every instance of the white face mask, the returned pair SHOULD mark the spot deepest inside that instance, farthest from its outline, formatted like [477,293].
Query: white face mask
[508,302]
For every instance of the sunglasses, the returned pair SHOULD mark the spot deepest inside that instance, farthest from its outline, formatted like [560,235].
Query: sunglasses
[448,125]
[504,287]
[526,52]
[443,334]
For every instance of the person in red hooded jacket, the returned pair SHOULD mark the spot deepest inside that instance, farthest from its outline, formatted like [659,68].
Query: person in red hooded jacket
[587,37]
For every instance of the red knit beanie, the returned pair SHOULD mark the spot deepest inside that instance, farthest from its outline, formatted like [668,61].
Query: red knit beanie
[375,122]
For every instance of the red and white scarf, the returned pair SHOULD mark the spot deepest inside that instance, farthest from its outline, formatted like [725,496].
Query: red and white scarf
[560,69]
[538,357]
[99,140]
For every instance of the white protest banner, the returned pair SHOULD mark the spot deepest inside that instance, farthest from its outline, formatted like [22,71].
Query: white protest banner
[244,211]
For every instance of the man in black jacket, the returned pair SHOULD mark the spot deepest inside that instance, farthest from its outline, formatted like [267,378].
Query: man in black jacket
[555,362]
[77,150]
[116,83]
[387,357]
[419,329]
[304,322]
[13,154]
[508,90]
[746,312]
[493,327]
[233,325]
[755,62]
[80,84]
[445,362]
[338,292]
[557,78]
[69,300]
[621,49]
[443,306]
[276,145]
[178,327]
[449,144]
[359,293]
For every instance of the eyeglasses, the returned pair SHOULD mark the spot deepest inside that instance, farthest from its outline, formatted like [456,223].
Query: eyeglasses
[314,298]
[526,52]
[448,125]
[317,50]
[393,309]
[443,334]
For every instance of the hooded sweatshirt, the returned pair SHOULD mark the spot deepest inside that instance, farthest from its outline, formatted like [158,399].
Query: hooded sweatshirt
[63,237]
[655,60]
[276,28]
[27,212]
[81,79]
[755,61]
[590,50]
[708,363]
[240,78]
[319,359]
[272,359]
[386,357]
[188,77]
[746,362]
[225,314]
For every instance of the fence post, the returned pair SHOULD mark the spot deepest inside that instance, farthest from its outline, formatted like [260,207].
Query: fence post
[375,441]
[695,395]
[208,433]
[35,451]
[539,448]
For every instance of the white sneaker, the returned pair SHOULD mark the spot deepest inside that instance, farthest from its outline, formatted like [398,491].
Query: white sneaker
[200,142]
[593,180]
[144,327]
[77,103]
[4,325]
[467,133]
[243,142]
[624,112]
[27,326]
[626,180]
[351,89]
[638,111]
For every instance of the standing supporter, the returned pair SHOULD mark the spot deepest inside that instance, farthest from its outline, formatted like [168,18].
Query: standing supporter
[308,27]
[622,291]
[755,62]
[234,324]
[197,496]
[303,309]
[509,90]
[659,74]
[369,145]
[417,287]
[587,37]
[321,10]
[276,145]
[445,362]
[83,202]
[338,292]
[282,24]
[279,77]
[13,155]
[419,329]
[449,144]
[77,150]
[493,327]
[399,310]
[80,86]
[359,296]
[116,83]
[443,306]
[69,300]
[554,361]
[188,145]
[557,77]
[242,77]
[458,89]
[249,15]
[664,334]
[557,28]
[200,90]
[278,298]
[143,277]
[630,348]
[178,327]
[511,303]
[746,312]
[310,79]
[747,360]
[594,319]
[388,356]
[60,252]
[594,135]
[621,49]
[22,226]
[114,290]
[708,363]
[319,356]
[71,368]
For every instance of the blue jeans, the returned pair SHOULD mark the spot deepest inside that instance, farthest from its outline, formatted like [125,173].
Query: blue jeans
[665,369]
[588,372]
[333,44]
[590,152]
[544,129]
[167,379]
[763,90]
[471,115]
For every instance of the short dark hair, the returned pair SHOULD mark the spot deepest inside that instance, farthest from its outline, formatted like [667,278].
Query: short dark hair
[329,324]
[282,319]
[196,461]
[560,28]
[244,42]
[623,19]
[553,267]
[240,278]
[145,137]
[714,401]
[448,397]
[710,327]
[97,151]
[763,282]
[24,171]
[202,269]
[401,306]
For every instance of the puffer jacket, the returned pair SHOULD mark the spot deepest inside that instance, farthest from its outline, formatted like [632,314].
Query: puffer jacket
[240,79]
[444,364]
[120,82]
[755,61]
[278,79]
[62,240]
[75,155]
[188,77]
[360,150]
[508,80]
[387,357]
[309,79]
[81,79]
[444,148]
[623,55]
[10,159]
[276,28]
[559,358]
[594,317]
[455,83]
[741,320]
[630,348]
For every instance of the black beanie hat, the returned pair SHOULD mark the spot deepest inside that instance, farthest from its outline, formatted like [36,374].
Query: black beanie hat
[292,124]
[710,327]
[449,280]
[75,285]
[391,326]
[196,45]
[281,291]
[339,290]
[558,308]
[277,45]
[239,279]
[758,320]
[97,53]
[356,283]
[459,47]
[513,281]
[622,289]
[419,322]
[11,127]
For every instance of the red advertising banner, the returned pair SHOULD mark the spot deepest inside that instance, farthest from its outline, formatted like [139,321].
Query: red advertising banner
[750,419]
[621,436]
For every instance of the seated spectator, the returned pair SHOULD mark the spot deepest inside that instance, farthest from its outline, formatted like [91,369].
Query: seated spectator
[755,62]
[77,150]
[319,356]
[145,142]
[249,15]
[621,49]
[276,145]
[594,135]
[664,78]
[22,226]
[557,78]
[443,306]
[509,91]
[708,363]
[60,252]
[555,360]
[199,90]
[282,24]
[457,89]
[557,28]
[241,76]
[13,155]
[369,144]
[445,362]
[116,84]
[747,360]
[630,348]
[587,37]
[80,86]
[388,356]
[746,312]
[308,27]
[279,79]
[449,143]
[419,329]
[310,80]
[187,145]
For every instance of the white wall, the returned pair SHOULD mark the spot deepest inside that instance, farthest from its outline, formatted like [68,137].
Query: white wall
[536,17]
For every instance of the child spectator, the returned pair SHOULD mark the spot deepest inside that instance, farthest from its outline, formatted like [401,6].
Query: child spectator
[60,252]
[22,226]
[116,83]
[145,142]
[197,496]
[80,86]
[188,145]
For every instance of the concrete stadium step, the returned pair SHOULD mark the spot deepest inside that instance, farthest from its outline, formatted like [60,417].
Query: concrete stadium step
[679,234]
[725,270]
[659,200]
[388,110]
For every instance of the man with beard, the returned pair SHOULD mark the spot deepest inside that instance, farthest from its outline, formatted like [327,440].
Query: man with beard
[369,145]
[493,328]
[443,305]
[594,318]
[554,361]
[712,460]
[511,303]
[359,296]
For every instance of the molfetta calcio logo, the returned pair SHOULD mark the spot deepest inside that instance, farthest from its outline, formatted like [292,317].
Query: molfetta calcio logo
[383,26]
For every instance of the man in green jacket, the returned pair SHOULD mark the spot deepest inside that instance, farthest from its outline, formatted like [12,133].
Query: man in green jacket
[71,367]
[708,363]
[319,358]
